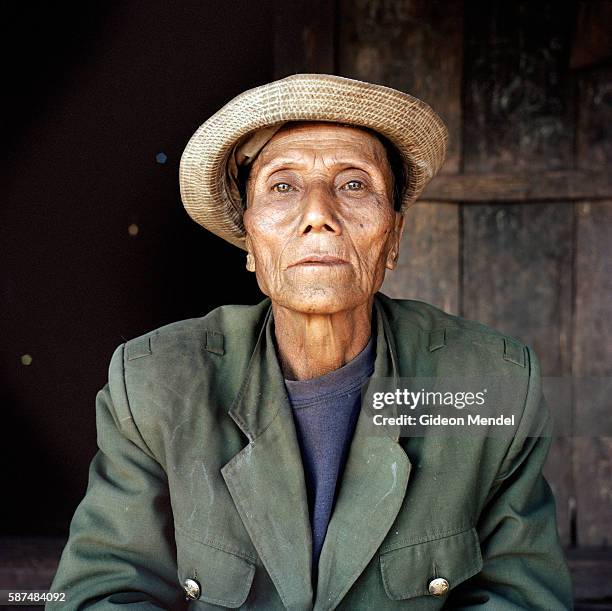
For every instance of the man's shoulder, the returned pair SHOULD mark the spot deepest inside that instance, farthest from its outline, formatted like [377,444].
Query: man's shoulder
[435,343]
[224,328]
[439,329]
[161,375]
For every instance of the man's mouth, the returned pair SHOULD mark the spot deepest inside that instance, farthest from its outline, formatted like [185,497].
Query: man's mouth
[319,260]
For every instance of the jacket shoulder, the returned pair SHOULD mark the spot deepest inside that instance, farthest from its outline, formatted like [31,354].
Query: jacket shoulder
[159,376]
[440,329]
[217,333]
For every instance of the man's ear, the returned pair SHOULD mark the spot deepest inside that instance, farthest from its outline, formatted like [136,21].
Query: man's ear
[398,230]
[250,259]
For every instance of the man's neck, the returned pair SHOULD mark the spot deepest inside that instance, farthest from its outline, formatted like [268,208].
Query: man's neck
[311,345]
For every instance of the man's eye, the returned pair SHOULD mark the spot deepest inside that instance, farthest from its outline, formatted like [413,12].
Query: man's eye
[282,187]
[353,185]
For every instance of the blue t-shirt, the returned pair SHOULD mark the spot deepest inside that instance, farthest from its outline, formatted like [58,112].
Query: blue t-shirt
[325,411]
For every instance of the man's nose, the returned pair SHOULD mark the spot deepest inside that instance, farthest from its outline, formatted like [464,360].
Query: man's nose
[318,213]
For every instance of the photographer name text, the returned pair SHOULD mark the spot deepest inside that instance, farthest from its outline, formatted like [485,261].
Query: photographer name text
[430,420]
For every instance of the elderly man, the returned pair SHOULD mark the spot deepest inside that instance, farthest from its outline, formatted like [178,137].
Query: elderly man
[238,466]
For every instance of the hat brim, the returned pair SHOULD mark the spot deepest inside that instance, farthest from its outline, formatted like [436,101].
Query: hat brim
[410,124]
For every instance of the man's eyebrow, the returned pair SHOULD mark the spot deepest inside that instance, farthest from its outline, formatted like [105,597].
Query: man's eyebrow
[275,164]
[278,162]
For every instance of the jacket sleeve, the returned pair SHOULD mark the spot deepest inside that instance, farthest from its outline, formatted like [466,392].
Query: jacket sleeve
[120,552]
[523,562]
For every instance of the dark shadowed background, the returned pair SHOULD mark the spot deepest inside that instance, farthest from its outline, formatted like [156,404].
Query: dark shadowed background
[97,248]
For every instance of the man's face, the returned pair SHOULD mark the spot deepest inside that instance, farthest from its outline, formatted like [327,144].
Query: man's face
[320,221]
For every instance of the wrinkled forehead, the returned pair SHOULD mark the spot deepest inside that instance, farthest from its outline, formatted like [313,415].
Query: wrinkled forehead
[296,138]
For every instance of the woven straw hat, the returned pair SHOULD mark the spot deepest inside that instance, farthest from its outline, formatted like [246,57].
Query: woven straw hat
[237,132]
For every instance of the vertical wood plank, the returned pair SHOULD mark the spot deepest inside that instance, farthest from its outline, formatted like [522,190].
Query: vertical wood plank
[592,322]
[594,130]
[593,358]
[517,259]
[415,46]
[429,244]
[517,264]
[518,93]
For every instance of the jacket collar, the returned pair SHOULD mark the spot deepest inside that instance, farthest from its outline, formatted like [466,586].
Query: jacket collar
[266,481]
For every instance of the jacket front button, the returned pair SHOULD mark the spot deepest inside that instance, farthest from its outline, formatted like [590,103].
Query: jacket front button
[438,587]
[192,588]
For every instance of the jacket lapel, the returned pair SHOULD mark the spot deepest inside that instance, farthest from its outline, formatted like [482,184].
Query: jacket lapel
[371,491]
[266,478]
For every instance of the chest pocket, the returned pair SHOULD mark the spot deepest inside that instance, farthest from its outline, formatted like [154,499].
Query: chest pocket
[217,576]
[409,571]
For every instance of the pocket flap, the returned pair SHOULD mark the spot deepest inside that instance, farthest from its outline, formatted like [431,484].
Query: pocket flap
[408,570]
[224,578]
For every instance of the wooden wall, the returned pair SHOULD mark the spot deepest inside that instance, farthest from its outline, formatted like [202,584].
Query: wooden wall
[515,231]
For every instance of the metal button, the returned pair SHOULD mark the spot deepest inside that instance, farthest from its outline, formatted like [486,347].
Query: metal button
[438,587]
[192,588]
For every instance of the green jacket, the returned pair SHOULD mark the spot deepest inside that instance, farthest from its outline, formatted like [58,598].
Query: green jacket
[199,476]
